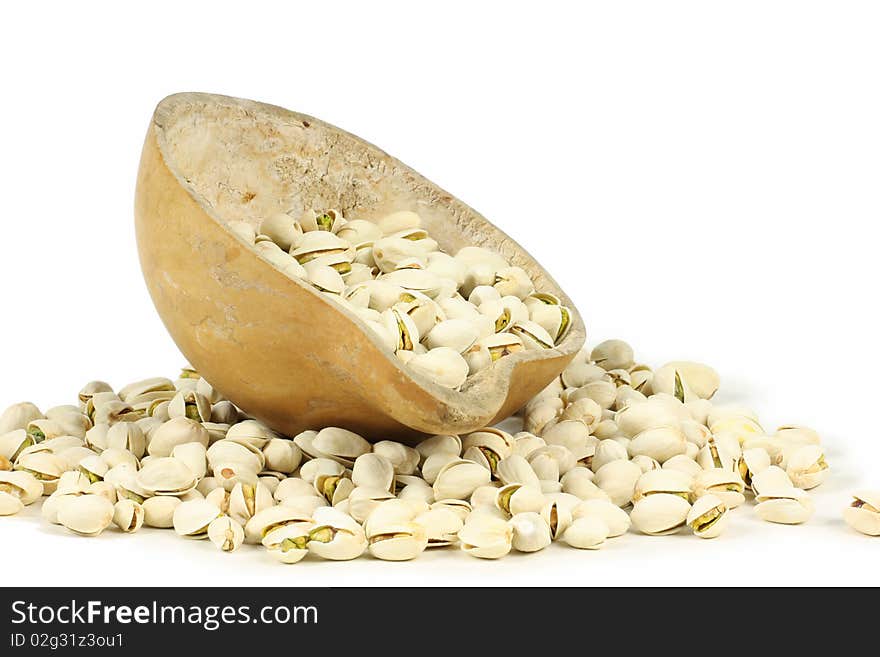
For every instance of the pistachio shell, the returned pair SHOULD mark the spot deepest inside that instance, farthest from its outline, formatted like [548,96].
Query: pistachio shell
[177,431]
[282,455]
[397,541]
[612,354]
[159,511]
[165,476]
[87,515]
[660,514]
[459,478]
[486,537]
[787,506]
[707,517]
[288,543]
[441,526]
[616,519]
[22,485]
[806,467]
[128,515]
[726,485]
[618,479]
[663,481]
[191,518]
[660,443]
[863,514]
[373,471]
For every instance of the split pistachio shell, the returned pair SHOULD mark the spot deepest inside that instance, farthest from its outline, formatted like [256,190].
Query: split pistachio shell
[267,520]
[246,500]
[863,514]
[618,479]
[288,543]
[613,354]
[22,485]
[579,482]
[752,462]
[664,481]
[18,416]
[686,380]
[396,541]
[311,470]
[683,464]
[516,498]
[787,506]
[515,469]
[531,533]
[282,455]
[441,526]
[336,536]
[608,451]
[404,459]
[726,485]
[486,537]
[251,434]
[798,434]
[586,533]
[707,517]
[444,366]
[807,467]
[177,431]
[190,404]
[660,514]
[770,478]
[128,515]
[646,463]
[13,442]
[616,519]
[194,456]
[557,516]
[191,519]
[341,444]
[9,504]
[232,451]
[459,479]
[603,392]
[128,436]
[652,414]
[87,515]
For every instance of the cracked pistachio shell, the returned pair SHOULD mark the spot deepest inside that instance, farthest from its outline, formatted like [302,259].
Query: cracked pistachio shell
[128,436]
[664,481]
[584,410]
[128,515]
[402,327]
[246,500]
[373,471]
[646,463]
[524,443]
[311,470]
[618,479]
[863,513]
[516,498]
[194,456]
[533,335]
[752,462]
[459,479]
[220,498]
[660,443]
[660,514]
[70,420]
[232,451]
[553,318]
[281,455]
[770,478]
[798,434]
[616,519]
[13,443]
[282,229]
[557,516]
[190,404]
[333,488]
[341,444]
[742,428]
[562,459]
[726,485]
[230,474]
[573,435]
[191,518]
[165,476]
[93,467]
[441,526]
[627,396]
[413,489]
[105,489]
[513,281]
[685,380]
[177,431]
[224,412]
[502,344]
[226,534]
[288,543]
[485,496]
[531,533]
[330,221]
[651,414]
[444,366]
[579,482]
[434,464]
[359,231]
[612,355]
[461,508]
[45,466]
[396,541]
[695,432]
[580,373]
[10,504]
[707,517]
[155,384]
[787,506]
[336,536]
[269,519]
[159,511]
[515,469]
[586,533]
[52,504]
[486,537]
[716,455]
[71,482]
[250,433]
[363,501]
[22,485]
[490,439]
[807,467]
[500,312]
[87,515]
[44,429]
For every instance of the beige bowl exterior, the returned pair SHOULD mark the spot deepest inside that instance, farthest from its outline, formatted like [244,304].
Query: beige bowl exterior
[279,350]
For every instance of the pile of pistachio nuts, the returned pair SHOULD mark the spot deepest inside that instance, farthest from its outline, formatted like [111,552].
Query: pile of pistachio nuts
[609,445]
[446,317]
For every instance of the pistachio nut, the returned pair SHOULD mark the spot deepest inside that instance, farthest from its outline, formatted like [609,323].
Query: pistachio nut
[444,366]
[128,515]
[22,485]
[403,459]
[159,511]
[288,543]
[787,506]
[363,501]
[177,431]
[724,484]
[682,463]
[459,479]
[18,416]
[660,443]
[686,380]
[752,462]
[863,514]
[441,525]
[396,541]
[770,478]
[246,500]
[13,443]
[586,533]
[516,498]
[807,467]
[618,479]
[660,514]
[269,519]
[612,355]
[191,518]
[373,471]
[165,476]
[670,482]
[486,537]
[707,517]
[9,504]
[87,515]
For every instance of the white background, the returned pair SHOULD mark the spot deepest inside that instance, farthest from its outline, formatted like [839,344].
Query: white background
[700,177]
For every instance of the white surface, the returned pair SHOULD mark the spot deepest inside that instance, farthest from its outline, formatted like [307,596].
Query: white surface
[701,179]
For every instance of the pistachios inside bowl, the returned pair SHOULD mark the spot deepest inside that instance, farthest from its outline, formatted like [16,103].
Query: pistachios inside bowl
[272,320]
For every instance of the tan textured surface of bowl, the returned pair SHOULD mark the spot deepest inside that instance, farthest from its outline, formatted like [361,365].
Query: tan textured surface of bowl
[273,345]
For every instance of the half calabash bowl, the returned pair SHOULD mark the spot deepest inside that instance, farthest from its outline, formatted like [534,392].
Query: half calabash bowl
[273,345]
